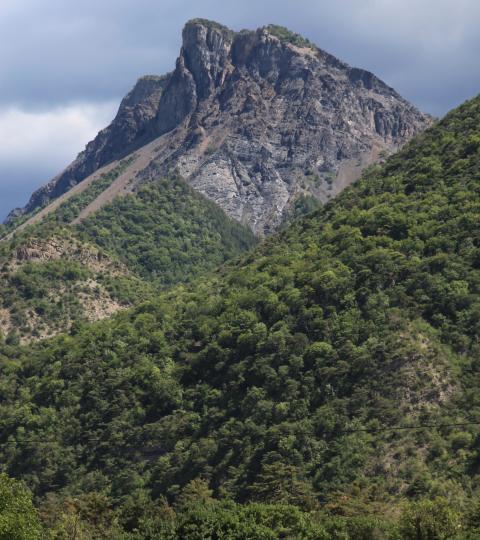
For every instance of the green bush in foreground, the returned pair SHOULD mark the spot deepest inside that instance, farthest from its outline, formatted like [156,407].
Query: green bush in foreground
[18,518]
[91,517]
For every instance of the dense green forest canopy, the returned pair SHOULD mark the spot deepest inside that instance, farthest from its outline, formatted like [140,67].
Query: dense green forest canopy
[54,274]
[271,388]
[167,233]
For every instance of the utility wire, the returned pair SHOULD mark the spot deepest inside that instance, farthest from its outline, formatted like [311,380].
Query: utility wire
[405,428]
[340,432]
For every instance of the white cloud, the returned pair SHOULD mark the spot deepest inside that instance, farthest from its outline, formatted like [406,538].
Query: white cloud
[36,145]
[50,138]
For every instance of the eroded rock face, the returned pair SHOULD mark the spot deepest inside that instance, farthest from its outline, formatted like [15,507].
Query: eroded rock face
[253,120]
[131,127]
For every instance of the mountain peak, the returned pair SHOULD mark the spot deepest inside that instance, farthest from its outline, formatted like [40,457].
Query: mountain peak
[255,120]
[205,52]
[286,35]
[209,24]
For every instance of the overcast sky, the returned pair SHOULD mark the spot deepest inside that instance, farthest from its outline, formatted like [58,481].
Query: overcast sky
[65,64]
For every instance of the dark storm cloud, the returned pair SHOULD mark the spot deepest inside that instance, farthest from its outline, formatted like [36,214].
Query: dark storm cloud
[16,183]
[62,59]
[63,50]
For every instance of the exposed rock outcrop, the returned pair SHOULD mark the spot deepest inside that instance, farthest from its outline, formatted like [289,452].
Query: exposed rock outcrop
[130,129]
[252,120]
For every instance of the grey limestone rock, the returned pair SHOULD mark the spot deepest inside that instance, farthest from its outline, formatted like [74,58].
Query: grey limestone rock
[253,120]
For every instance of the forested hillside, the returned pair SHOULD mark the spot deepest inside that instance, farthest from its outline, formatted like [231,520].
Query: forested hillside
[324,386]
[59,272]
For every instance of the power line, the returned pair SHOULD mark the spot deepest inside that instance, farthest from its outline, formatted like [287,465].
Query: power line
[405,428]
[339,432]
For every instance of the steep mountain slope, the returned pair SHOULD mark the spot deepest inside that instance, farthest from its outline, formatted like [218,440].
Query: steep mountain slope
[280,378]
[253,120]
[48,281]
[54,273]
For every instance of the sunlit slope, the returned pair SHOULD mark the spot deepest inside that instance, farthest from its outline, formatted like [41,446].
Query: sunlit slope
[287,376]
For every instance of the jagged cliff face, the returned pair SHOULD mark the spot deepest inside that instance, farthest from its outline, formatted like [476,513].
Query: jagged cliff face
[131,127]
[252,121]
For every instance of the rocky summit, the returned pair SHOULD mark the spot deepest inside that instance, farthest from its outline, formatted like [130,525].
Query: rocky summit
[254,120]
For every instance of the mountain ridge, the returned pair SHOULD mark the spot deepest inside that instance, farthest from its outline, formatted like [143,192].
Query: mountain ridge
[252,120]
[334,368]
[58,271]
